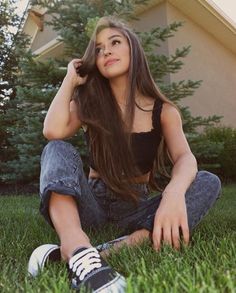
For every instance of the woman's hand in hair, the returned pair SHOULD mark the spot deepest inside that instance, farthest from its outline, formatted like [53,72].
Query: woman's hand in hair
[73,73]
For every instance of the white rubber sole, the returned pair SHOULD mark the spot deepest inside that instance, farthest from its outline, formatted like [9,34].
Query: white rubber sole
[39,257]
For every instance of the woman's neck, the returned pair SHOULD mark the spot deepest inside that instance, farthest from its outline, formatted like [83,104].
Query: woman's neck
[119,86]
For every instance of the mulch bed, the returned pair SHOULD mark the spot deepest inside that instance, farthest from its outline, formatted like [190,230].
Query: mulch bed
[19,189]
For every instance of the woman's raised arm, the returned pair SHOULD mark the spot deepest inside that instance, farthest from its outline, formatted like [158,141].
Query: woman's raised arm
[62,120]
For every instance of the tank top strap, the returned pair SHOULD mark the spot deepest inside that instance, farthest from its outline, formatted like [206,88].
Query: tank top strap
[156,115]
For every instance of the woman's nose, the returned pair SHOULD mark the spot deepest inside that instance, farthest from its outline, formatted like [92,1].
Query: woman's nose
[107,52]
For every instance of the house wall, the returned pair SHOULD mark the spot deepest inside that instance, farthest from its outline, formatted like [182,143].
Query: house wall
[31,30]
[55,51]
[45,36]
[209,61]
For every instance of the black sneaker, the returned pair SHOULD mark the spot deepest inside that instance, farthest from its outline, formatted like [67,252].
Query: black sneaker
[87,269]
[47,253]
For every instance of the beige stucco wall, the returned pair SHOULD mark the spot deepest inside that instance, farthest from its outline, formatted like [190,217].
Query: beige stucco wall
[45,36]
[209,61]
[31,29]
[56,51]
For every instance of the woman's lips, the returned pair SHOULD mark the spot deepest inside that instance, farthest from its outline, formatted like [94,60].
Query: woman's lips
[110,62]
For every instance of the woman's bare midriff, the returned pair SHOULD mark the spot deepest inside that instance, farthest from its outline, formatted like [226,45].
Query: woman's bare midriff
[141,179]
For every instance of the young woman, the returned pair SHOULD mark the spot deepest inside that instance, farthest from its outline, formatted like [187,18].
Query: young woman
[129,125]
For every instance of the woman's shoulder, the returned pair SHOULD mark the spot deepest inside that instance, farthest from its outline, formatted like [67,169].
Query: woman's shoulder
[169,113]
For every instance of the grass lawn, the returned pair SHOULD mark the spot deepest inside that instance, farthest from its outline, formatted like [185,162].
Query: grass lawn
[207,265]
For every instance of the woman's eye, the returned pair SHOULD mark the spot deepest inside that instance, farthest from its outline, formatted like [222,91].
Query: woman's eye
[114,42]
[97,51]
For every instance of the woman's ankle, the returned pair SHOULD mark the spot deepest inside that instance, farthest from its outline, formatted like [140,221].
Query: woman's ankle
[68,250]
[69,243]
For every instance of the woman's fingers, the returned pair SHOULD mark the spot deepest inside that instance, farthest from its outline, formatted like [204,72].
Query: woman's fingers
[167,234]
[75,63]
[170,234]
[185,232]
[175,236]
[73,72]
[156,237]
[167,229]
[76,60]
[162,234]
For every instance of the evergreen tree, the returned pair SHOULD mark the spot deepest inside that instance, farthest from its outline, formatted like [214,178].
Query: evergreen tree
[74,21]
[12,45]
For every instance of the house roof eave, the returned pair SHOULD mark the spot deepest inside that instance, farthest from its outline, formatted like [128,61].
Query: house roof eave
[207,15]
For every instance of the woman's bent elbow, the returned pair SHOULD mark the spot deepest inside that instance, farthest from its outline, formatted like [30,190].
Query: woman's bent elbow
[50,135]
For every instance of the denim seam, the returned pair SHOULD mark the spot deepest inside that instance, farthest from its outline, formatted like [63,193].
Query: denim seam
[54,182]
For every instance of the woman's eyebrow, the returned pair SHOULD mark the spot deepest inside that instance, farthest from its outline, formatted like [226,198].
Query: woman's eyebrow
[111,37]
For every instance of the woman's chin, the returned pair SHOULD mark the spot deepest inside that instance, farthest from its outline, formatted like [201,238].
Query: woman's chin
[115,74]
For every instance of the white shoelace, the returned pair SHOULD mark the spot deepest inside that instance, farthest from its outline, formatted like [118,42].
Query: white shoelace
[84,262]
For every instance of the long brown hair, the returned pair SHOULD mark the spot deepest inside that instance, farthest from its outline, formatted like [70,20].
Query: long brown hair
[110,135]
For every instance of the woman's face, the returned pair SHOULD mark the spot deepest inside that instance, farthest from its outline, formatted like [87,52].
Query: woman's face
[112,53]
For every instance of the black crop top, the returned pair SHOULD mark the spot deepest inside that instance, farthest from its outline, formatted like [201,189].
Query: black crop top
[144,144]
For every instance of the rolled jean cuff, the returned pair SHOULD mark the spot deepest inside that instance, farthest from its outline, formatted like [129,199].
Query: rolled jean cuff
[59,187]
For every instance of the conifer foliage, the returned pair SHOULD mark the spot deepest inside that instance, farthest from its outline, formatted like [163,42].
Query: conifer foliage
[12,47]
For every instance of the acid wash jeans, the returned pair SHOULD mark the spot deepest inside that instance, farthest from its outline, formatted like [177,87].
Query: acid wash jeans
[62,172]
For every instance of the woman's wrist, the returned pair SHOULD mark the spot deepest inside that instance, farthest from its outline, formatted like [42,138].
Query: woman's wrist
[178,185]
[69,81]
[172,190]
